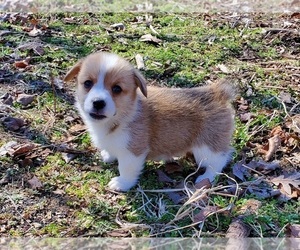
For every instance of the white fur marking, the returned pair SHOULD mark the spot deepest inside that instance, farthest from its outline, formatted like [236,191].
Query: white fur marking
[107,157]
[213,161]
[130,167]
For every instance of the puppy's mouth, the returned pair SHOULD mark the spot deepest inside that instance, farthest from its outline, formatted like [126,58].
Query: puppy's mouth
[97,116]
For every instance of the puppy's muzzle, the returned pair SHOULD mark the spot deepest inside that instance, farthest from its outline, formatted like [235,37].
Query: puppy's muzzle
[98,107]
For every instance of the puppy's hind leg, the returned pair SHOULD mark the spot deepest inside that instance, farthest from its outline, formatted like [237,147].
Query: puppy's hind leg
[130,167]
[213,161]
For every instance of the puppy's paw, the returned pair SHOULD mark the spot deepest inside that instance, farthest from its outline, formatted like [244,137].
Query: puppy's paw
[106,157]
[120,184]
[209,176]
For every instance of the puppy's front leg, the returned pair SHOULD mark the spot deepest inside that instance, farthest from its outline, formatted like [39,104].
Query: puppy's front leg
[107,157]
[130,167]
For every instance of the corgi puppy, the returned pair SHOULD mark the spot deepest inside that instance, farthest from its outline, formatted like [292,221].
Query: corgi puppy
[131,123]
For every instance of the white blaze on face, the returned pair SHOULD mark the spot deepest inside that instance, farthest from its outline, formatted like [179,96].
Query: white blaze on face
[98,91]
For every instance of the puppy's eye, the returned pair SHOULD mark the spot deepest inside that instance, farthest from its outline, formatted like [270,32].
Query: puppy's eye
[116,89]
[88,84]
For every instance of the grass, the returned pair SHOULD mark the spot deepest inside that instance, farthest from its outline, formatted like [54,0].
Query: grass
[193,46]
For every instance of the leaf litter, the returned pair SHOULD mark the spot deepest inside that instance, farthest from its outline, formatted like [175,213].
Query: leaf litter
[250,176]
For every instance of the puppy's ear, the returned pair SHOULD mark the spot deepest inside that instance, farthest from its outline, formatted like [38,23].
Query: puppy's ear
[140,82]
[73,71]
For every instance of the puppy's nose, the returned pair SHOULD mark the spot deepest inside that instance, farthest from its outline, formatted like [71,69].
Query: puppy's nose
[99,104]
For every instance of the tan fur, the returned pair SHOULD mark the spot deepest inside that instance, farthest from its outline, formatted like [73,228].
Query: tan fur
[172,121]
[169,122]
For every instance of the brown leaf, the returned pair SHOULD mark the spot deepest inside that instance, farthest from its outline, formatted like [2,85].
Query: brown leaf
[293,230]
[23,149]
[151,39]
[77,129]
[203,183]
[238,229]
[162,177]
[25,99]
[264,193]
[204,213]
[285,97]
[7,99]
[12,123]
[274,144]
[287,182]
[21,64]
[246,117]
[35,183]
[173,167]
[176,197]
[264,167]
[26,162]
[240,171]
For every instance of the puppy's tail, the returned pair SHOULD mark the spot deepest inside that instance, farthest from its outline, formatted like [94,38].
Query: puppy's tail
[224,89]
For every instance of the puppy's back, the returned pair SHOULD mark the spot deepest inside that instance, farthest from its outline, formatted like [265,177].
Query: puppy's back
[182,118]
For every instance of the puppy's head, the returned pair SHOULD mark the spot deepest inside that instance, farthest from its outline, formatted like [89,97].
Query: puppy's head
[106,85]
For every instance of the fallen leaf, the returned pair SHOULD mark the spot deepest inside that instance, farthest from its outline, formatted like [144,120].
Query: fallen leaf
[139,61]
[250,207]
[295,15]
[21,64]
[118,26]
[264,193]
[25,99]
[223,68]
[176,197]
[23,149]
[204,213]
[35,183]
[274,144]
[12,123]
[285,97]
[246,117]
[287,182]
[26,162]
[238,229]
[162,177]
[295,123]
[68,157]
[7,148]
[59,83]
[37,47]
[172,167]
[151,39]
[7,99]
[203,183]
[240,171]
[293,230]
[264,167]
[69,20]
[77,129]
[59,191]
[35,32]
